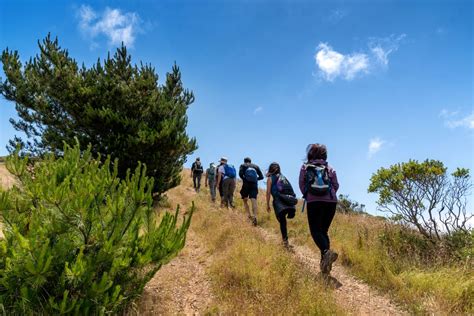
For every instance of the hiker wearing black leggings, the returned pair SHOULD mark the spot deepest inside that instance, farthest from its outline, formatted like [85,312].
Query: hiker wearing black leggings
[282,209]
[319,185]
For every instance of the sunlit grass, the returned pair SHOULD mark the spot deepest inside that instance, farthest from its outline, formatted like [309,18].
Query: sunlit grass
[253,276]
[445,288]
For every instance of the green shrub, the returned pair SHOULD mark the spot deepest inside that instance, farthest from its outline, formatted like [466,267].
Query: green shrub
[115,105]
[406,246]
[78,240]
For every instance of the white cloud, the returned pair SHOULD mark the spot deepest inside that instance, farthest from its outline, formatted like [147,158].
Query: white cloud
[452,119]
[381,48]
[375,145]
[257,110]
[333,64]
[355,64]
[116,25]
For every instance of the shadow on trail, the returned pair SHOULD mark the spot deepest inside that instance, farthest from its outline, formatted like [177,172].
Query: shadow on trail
[329,281]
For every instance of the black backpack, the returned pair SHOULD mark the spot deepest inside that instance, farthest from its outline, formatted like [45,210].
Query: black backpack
[317,179]
[282,188]
[197,167]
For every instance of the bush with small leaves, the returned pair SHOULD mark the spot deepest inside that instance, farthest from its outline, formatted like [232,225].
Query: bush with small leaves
[424,196]
[79,240]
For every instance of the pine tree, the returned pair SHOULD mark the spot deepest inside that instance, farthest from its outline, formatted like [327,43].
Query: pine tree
[78,240]
[118,108]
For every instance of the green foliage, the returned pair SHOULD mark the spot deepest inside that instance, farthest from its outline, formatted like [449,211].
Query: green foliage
[78,240]
[423,195]
[115,106]
[346,205]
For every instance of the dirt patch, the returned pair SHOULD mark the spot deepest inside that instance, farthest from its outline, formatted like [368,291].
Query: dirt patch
[182,286]
[6,178]
[6,182]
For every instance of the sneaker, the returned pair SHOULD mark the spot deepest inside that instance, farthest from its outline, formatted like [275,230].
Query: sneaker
[254,221]
[287,245]
[328,259]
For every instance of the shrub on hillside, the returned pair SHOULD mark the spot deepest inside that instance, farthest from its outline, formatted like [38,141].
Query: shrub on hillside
[347,206]
[405,245]
[117,107]
[79,240]
[422,195]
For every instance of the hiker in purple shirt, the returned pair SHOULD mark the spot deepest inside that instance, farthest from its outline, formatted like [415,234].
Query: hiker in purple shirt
[318,183]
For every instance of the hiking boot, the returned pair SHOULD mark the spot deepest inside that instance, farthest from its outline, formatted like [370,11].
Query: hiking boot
[287,245]
[254,221]
[327,260]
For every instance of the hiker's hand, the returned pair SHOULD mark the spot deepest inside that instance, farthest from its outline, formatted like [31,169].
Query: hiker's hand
[205,184]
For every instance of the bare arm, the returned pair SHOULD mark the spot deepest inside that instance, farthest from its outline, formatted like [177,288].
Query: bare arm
[269,192]
[219,176]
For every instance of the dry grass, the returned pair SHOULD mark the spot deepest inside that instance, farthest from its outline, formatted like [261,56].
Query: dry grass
[446,289]
[250,274]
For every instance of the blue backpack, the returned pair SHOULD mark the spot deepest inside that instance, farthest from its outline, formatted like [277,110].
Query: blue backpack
[251,175]
[229,171]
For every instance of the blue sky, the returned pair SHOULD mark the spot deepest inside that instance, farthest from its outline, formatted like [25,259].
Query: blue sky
[378,82]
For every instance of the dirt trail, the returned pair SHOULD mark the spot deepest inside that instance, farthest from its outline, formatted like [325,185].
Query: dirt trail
[6,181]
[181,286]
[353,295]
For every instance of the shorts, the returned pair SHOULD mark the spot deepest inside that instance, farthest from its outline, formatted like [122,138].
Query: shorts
[249,190]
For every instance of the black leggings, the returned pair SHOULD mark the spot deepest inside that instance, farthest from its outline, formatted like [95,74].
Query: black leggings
[320,215]
[281,217]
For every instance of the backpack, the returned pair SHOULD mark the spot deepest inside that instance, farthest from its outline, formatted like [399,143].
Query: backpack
[317,179]
[211,173]
[229,171]
[282,188]
[250,175]
[198,167]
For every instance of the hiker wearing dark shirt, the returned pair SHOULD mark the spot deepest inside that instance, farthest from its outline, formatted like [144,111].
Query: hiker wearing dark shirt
[196,173]
[250,175]
[319,185]
[284,199]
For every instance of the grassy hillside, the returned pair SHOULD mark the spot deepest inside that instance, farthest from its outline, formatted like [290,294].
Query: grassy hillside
[366,247]
[248,273]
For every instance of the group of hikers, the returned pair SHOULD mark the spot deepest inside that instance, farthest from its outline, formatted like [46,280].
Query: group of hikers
[317,182]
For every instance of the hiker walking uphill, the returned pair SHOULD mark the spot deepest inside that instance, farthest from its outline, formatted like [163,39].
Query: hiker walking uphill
[226,175]
[318,183]
[219,184]
[284,199]
[250,175]
[196,173]
[211,180]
